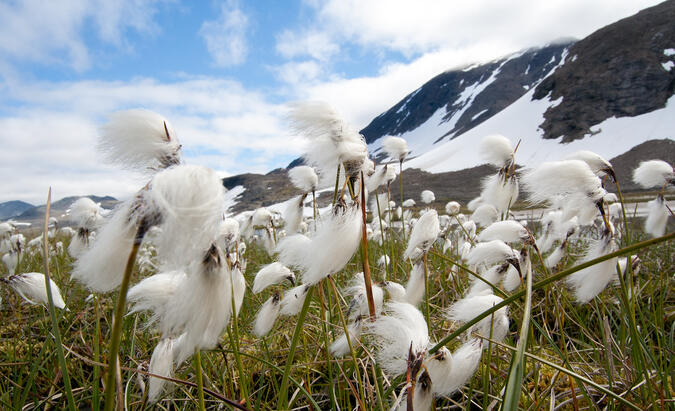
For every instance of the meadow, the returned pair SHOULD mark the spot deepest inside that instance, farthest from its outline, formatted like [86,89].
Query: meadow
[384,303]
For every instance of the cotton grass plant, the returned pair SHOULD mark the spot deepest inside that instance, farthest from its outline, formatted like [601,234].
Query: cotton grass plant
[578,318]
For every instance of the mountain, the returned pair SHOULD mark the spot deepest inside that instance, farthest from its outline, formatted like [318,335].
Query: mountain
[58,208]
[11,209]
[611,92]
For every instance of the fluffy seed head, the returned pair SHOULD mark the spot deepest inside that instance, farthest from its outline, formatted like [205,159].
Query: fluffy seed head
[267,316]
[293,299]
[452,208]
[556,179]
[468,308]
[427,196]
[395,147]
[85,213]
[657,218]
[161,363]
[654,173]
[490,253]
[485,215]
[139,140]
[271,274]
[395,333]
[31,287]
[509,231]
[304,178]
[424,233]
[598,165]
[496,150]
[333,244]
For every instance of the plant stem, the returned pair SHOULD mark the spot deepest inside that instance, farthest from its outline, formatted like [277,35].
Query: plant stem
[200,383]
[97,356]
[52,312]
[283,391]
[400,180]
[116,334]
[364,248]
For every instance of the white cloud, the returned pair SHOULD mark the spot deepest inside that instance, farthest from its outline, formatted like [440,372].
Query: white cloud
[48,138]
[435,35]
[225,37]
[315,44]
[51,32]
[299,73]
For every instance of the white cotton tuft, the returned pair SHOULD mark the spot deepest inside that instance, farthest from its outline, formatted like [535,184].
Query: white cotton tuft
[11,260]
[101,267]
[161,363]
[383,261]
[590,281]
[427,196]
[490,253]
[423,396]
[378,178]
[555,179]
[359,304]
[228,234]
[500,191]
[395,291]
[554,258]
[340,347]
[414,288]
[508,231]
[424,233]
[239,287]
[657,218]
[468,308]
[271,274]
[452,208]
[402,328]
[496,150]
[473,204]
[464,363]
[331,141]
[409,203]
[155,293]
[293,214]
[31,287]
[493,275]
[190,200]
[511,279]
[333,244]
[293,299]
[304,178]
[85,213]
[653,173]
[261,218]
[78,243]
[267,316]
[597,163]
[293,250]
[395,147]
[485,215]
[139,140]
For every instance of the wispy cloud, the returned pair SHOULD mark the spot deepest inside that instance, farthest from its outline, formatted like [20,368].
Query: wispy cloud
[51,32]
[225,37]
[49,134]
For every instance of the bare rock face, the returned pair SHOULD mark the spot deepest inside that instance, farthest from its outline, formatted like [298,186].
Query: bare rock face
[617,71]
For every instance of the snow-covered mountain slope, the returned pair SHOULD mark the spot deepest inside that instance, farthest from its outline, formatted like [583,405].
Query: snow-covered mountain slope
[607,92]
[521,120]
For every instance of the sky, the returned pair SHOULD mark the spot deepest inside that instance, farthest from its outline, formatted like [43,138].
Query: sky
[223,72]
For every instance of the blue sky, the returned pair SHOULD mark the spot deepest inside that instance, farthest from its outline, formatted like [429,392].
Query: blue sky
[222,72]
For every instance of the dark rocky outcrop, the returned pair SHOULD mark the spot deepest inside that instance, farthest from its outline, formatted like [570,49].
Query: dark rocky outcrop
[615,72]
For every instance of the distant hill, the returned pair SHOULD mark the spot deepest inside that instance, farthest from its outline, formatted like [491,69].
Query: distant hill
[15,208]
[58,208]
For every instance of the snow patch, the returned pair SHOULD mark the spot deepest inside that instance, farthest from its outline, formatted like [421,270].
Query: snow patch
[521,120]
[231,197]
[478,115]
[669,52]
[667,66]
